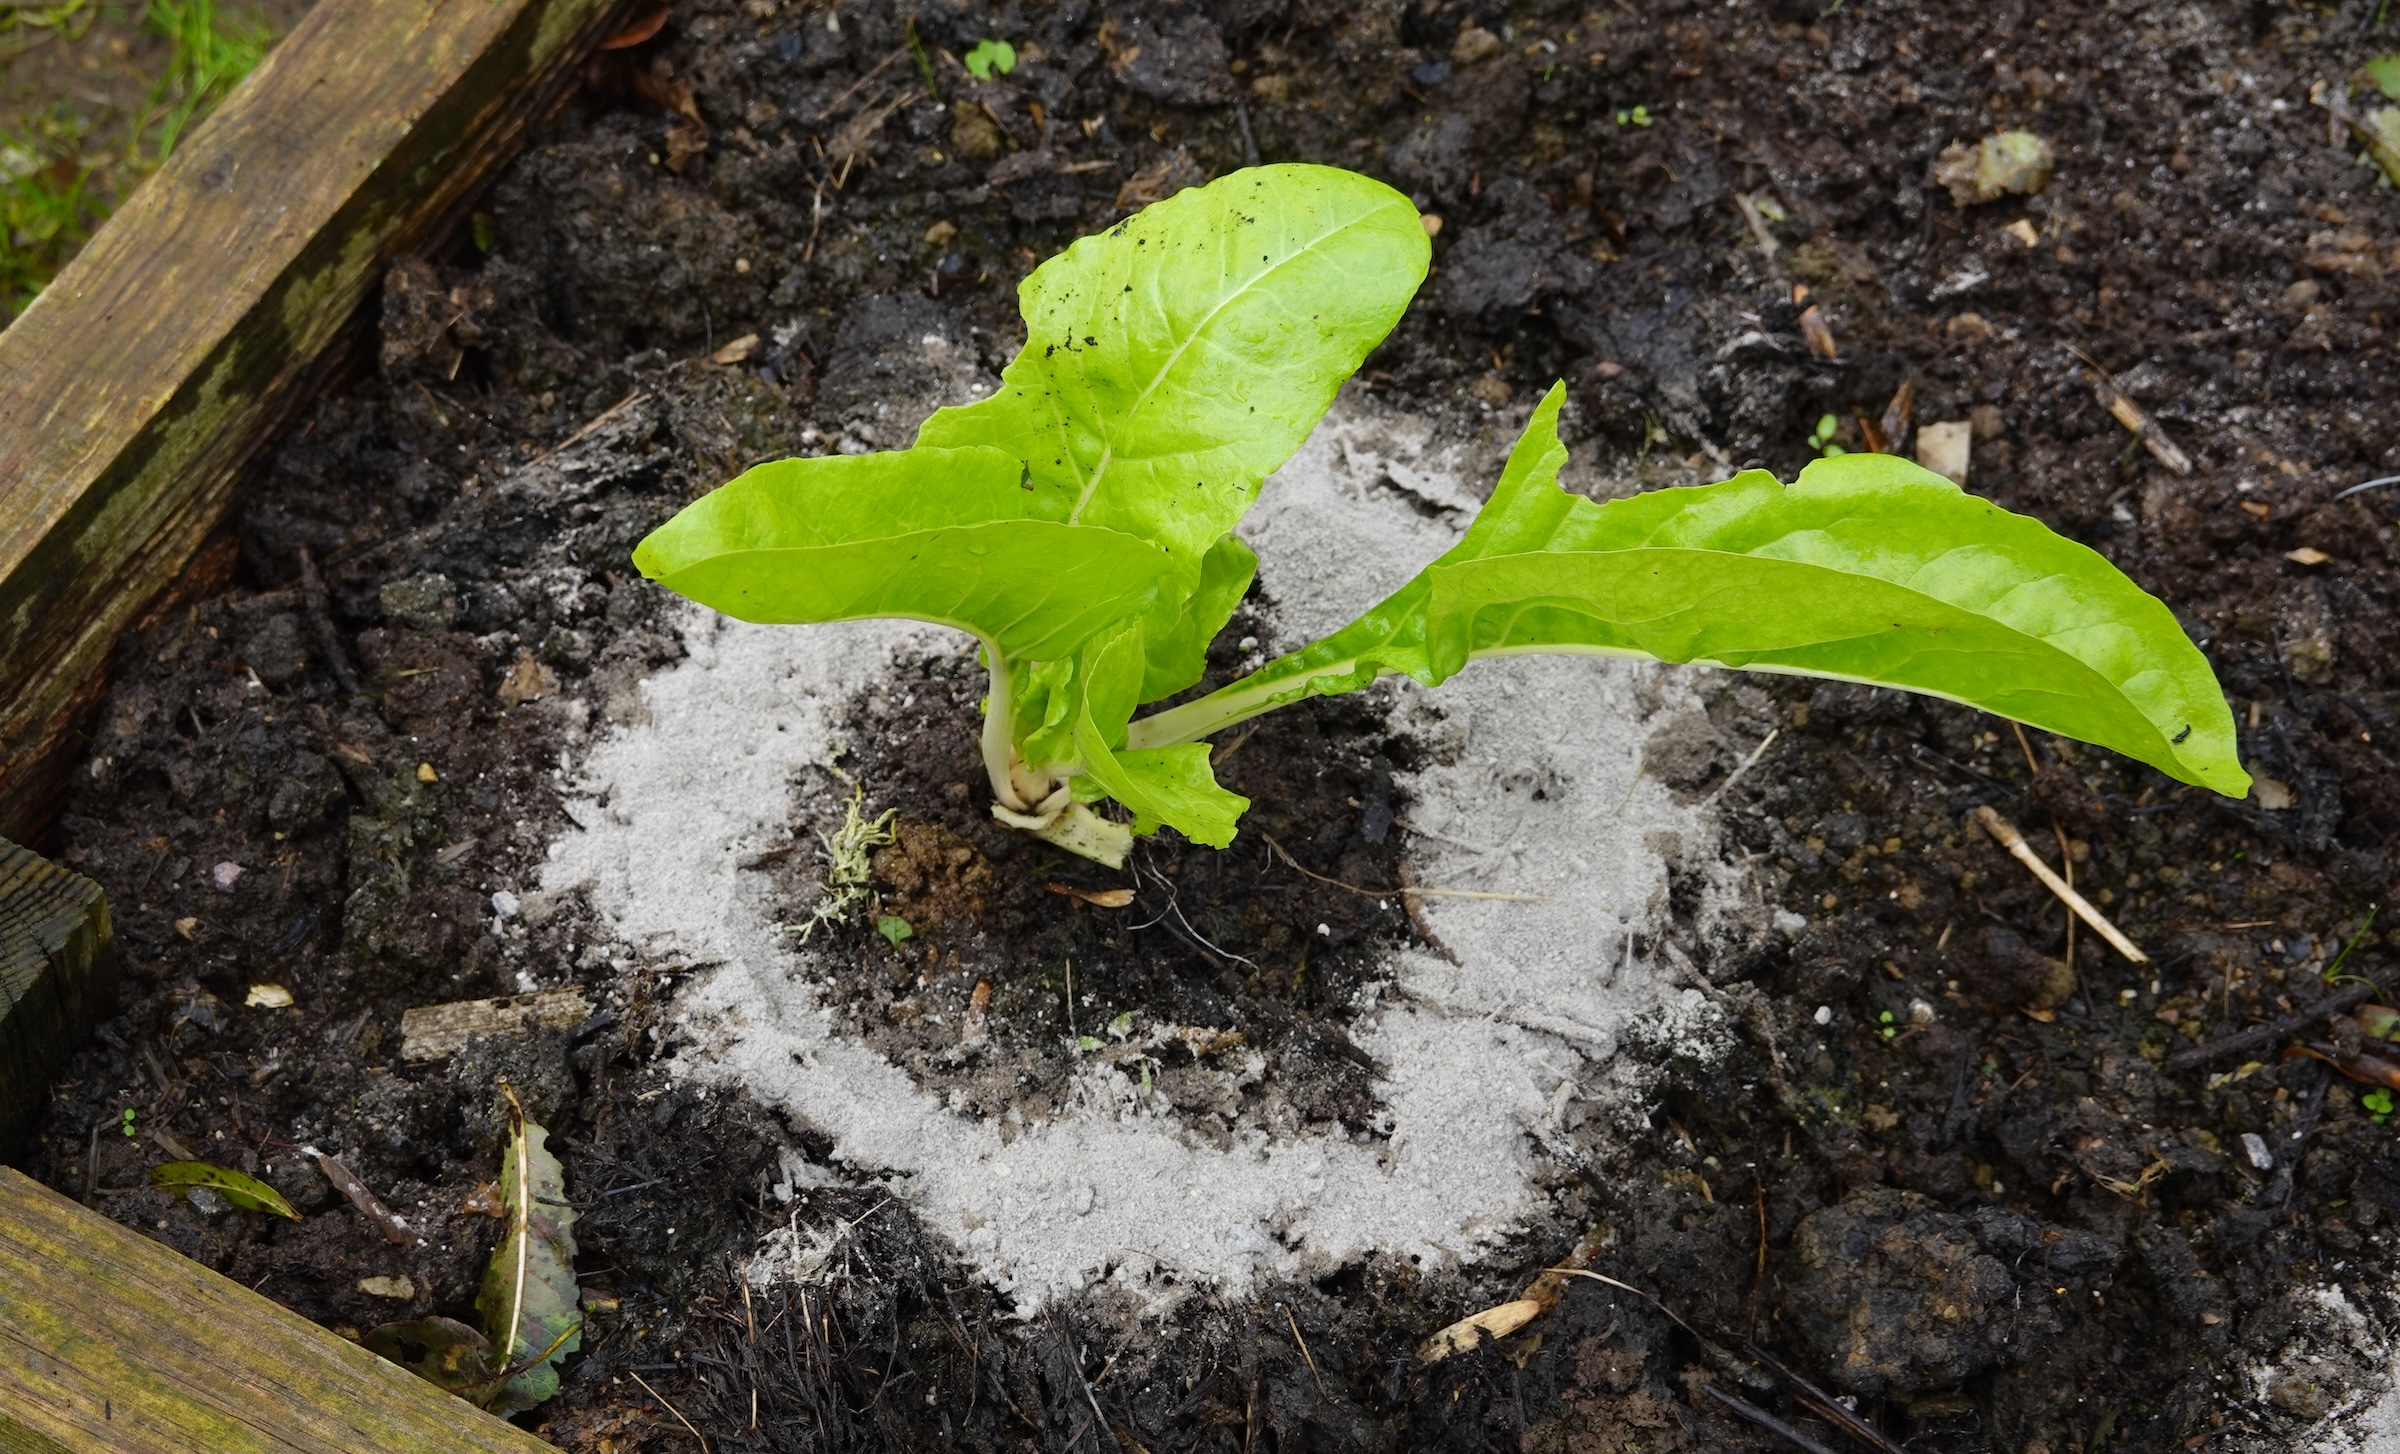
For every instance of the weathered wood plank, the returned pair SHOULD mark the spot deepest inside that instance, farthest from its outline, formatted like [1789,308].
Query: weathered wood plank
[57,970]
[111,1342]
[137,384]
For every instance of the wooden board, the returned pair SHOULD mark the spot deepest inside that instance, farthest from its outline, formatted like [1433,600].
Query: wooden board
[111,1342]
[57,972]
[135,387]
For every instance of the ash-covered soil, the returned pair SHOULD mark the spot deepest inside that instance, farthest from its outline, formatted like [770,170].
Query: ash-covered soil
[1995,1229]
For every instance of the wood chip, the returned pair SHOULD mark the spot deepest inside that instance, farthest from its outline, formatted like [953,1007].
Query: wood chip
[437,1032]
[737,351]
[2306,555]
[1471,1331]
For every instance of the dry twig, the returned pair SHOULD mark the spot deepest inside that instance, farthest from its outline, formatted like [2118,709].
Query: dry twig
[1404,893]
[2006,834]
[2136,420]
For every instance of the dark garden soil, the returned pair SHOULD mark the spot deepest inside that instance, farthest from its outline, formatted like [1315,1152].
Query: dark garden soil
[1995,1228]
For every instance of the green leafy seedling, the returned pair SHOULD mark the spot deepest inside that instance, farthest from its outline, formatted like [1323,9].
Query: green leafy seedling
[894,929]
[247,1193]
[989,56]
[1820,439]
[1885,1027]
[2378,1103]
[1079,523]
[1634,116]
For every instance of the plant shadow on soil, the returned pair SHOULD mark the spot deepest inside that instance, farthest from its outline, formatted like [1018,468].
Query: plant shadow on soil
[1892,1134]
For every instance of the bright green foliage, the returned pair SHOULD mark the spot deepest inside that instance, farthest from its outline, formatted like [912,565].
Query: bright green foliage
[989,56]
[1078,521]
[1867,568]
[894,929]
[1174,361]
[941,535]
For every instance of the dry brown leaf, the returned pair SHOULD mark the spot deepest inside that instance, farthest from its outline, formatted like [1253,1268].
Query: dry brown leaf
[1161,180]
[1098,898]
[526,681]
[737,351]
[641,28]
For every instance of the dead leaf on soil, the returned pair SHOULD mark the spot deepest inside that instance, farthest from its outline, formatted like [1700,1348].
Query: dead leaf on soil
[1098,898]
[2002,163]
[1471,1331]
[738,351]
[443,1351]
[528,1297]
[483,1201]
[528,680]
[641,28]
[1160,181]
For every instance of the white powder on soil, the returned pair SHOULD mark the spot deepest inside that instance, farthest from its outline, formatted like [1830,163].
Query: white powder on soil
[1483,1063]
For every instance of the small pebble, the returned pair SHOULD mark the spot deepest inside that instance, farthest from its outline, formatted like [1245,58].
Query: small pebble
[224,875]
[2260,1156]
[1824,1014]
[504,904]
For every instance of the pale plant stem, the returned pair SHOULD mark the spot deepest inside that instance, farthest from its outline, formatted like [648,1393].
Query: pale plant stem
[998,751]
[1216,712]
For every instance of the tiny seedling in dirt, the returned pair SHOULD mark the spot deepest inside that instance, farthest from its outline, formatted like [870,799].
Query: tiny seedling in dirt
[989,56]
[1079,522]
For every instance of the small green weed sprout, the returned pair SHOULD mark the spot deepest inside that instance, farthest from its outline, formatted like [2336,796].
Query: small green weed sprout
[1820,439]
[989,56]
[2378,1103]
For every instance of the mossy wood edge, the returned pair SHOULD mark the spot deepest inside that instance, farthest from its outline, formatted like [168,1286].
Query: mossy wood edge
[57,963]
[111,1342]
[136,386]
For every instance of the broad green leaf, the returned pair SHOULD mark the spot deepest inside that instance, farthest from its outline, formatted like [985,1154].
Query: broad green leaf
[528,1297]
[939,535]
[246,1192]
[1867,568]
[1169,785]
[1178,638]
[1176,360]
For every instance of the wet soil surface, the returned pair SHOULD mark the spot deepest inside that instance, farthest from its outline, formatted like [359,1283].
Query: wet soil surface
[1217,984]
[1937,1174]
